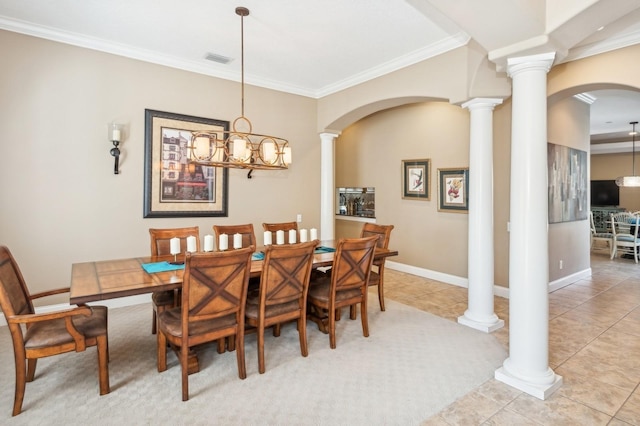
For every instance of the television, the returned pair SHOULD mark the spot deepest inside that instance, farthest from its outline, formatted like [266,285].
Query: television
[605,193]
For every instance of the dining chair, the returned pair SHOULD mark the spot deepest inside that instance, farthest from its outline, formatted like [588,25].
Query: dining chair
[377,273]
[624,227]
[214,294]
[160,246]
[41,335]
[248,236]
[606,237]
[282,295]
[345,286]
[282,226]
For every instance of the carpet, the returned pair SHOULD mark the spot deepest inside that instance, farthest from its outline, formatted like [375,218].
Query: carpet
[411,366]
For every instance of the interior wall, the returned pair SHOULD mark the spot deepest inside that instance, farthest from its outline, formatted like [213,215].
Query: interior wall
[370,153]
[568,125]
[62,203]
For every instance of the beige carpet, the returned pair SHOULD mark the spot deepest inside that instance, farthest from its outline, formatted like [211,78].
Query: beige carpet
[412,365]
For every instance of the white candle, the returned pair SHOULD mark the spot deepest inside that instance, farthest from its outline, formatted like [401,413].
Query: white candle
[208,243]
[223,242]
[292,236]
[115,135]
[280,237]
[174,245]
[287,155]
[313,234]
[269,152]
[191,244]
[239,149]
[237,241]
[267,238]
[303,236]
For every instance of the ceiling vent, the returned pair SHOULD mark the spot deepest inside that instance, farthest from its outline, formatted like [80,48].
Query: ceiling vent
[217,58]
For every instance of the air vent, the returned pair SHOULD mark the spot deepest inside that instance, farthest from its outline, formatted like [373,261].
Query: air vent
[217,58]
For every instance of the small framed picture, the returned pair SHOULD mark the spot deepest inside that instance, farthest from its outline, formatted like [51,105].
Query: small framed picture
[416,179]
[453,190]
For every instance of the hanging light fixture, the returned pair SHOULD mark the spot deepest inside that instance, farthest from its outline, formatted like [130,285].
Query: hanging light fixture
[631,181]
[240,148]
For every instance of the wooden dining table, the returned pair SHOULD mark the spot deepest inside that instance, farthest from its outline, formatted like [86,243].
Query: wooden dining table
[109,279]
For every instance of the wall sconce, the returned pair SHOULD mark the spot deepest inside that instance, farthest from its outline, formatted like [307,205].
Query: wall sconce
[115,136]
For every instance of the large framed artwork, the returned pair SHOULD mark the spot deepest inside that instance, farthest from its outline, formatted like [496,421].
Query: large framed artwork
[416,179]
[567,177]
[173,187]
[453,190]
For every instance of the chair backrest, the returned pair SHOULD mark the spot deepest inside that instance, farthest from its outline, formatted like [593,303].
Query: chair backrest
[382,231]
[285,274]
[160,239]
[248,236]
[352,263]
[620,223]
[591,223]
[214,286]
[283,226]
[14,295]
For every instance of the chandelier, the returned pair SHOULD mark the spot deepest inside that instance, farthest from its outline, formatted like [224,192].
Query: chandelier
[631,181]
[240,148]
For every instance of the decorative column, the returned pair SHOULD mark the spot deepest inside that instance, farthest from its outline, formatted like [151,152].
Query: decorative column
[480,314]
[527,367]
[327,185]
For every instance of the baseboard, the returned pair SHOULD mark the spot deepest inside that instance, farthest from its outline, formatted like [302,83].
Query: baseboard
[569,279]
[120,302]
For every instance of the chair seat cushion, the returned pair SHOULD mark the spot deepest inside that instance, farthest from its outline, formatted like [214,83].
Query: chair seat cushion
[627,239]
[320,292]
[603,235]
[252,309]
[163,298]
[170,322]
[53,333]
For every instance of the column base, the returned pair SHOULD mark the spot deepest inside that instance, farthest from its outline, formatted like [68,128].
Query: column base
[540,391]
[487,327]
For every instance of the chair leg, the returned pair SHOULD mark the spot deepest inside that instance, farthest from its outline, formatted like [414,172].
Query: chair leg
[162,351]
[184,371]
[21,383]
[103,364]
[276,330]
[302,333]
[154,325]
[363,315]
[332,328]
[352,312]
[242,367]
[261,367]
[221,345]
[381,293]
[31,369]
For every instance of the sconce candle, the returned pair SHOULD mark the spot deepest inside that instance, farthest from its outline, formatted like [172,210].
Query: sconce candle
[303,236]
[280,237]
[237,241]
[191,244]
[223,242]
[174,246]
[292,236]
[115,134]
[267,238]
[208,243]
[313,234]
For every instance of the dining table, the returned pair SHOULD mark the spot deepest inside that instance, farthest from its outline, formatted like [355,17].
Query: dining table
[108,279]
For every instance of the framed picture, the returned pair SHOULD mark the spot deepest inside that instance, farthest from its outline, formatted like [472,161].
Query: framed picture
[174,187]
[453,190]
[416,179]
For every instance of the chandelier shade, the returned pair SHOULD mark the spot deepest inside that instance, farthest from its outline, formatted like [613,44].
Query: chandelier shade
[240,148]
[631,181]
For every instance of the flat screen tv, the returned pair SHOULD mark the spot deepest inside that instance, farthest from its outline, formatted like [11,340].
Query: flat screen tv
[604,193]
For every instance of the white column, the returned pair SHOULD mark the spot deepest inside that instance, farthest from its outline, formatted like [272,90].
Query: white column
[527,367]
[480,314]
[327,185]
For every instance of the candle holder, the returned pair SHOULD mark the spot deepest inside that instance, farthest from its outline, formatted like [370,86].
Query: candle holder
[115,136]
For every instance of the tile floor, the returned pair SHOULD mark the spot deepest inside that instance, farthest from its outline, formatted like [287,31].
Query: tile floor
[594,343]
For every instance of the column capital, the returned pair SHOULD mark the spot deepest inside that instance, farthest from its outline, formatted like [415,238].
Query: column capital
[485,103]
[328,136]
[541,62]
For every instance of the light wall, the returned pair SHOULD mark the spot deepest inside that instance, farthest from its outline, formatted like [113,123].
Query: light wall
[61,202]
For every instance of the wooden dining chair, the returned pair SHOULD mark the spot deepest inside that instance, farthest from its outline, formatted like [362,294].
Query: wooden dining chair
[214,294]
[160,246]
[41,335]
[282,295]
[248,236]
[345,286]
[283,226]
[377,272]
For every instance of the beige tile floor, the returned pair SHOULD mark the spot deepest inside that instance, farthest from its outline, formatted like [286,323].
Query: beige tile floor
[594,344]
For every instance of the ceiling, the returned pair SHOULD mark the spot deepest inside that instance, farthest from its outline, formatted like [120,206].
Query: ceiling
[318,47]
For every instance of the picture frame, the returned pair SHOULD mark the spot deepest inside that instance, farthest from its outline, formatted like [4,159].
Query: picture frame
[416,179]
[173,187]
[453,190]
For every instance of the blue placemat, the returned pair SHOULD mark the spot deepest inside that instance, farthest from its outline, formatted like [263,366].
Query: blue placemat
[324,249]
[160,267]
[257,256]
